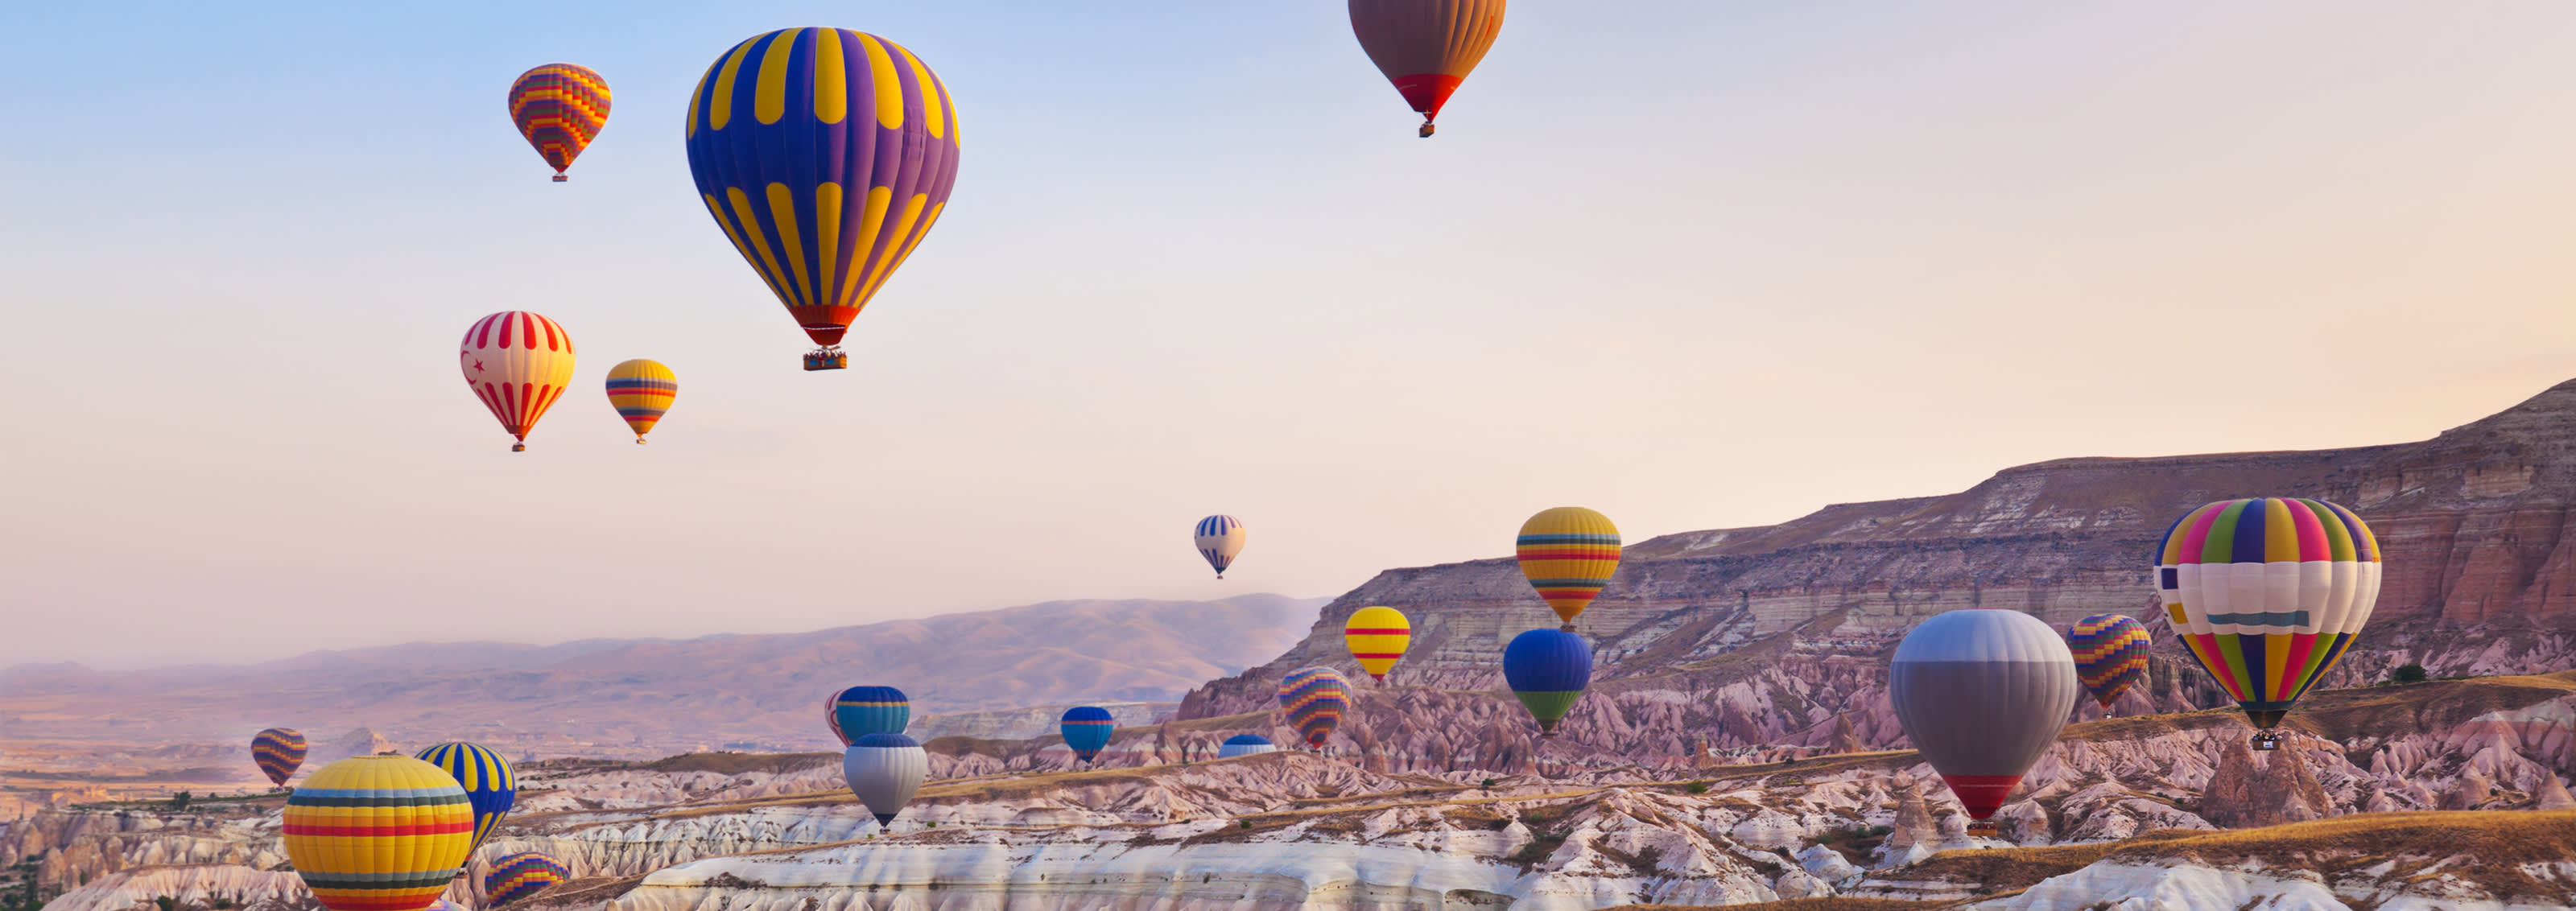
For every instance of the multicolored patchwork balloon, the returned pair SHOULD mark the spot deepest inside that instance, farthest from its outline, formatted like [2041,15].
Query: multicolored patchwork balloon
[378,833]
[1086,730]
[277,751]
[560,108]
[2110,654]
[518,363]
[1982,693]
[862,710]
[1219,539]
[1548,669]
[826,155]
[521,875]
[2268,593]
[641,391]
[487,780]
[1315,698]
[1568,554]
[1245,745]
[1426,47]
[1377,637]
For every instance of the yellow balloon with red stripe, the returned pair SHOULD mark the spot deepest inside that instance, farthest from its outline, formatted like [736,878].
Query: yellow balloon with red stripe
[641,390]
[378,833]
[1377,637]
[1568,554]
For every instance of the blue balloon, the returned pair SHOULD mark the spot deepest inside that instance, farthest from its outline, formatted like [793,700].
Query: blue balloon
[490,786]
[862,710]
[1087,729]
[1548,669]
[1245,745]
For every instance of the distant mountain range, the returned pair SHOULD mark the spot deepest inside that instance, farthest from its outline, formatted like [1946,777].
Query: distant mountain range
[653,697]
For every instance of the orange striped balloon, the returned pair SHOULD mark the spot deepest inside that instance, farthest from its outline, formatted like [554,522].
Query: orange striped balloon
[378,833]
[1377,637]
[1568,554]
[559,108]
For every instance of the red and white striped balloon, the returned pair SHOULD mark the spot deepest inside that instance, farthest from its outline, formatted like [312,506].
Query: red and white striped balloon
[518,363]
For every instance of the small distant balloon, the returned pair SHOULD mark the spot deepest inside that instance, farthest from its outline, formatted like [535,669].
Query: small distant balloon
[2110,654]
[884,771]
[1377,636]
[559,108]
[1426,47]
[1086,730]
[1315,698]
[521,875]
[1568,554]
[277,751]
[1548,670]
[1219,539]
[641,391]
[862,710]
[1245,745]
[517,363]
[487,780]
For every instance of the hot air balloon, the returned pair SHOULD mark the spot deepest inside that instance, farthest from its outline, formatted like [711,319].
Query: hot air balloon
[1086,729]
[1548,669]
[1983,694]
[884,771]
[2268,593]
[1568,554]
[1219,538]
[560,108]
[862,710]
[1314,698]
[825,155]
[487,780]
[641,391]
[521,875]
[277,751]
[1377,637]
[518,363]
[378,833]
[2110,654]
[1426,47]
[1245,745]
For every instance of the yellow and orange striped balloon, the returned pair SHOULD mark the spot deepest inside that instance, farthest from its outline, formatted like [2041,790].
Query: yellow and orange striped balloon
[1568,554]
[378,833]
[1377,637]
[641,390]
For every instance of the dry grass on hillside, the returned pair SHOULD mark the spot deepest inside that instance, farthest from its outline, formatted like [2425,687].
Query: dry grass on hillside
[741,763]
[2384,710]
[1837,903]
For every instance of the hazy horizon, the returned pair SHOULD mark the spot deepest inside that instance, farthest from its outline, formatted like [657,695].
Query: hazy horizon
[1693,265]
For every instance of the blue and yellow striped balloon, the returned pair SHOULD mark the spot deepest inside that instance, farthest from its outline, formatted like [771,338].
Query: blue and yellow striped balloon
[378,833]
[486,777]
[825,155]
[863,710]
[521,875]
[641,390]
[1568,554]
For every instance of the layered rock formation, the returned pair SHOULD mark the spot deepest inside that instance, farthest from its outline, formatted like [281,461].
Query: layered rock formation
[1778,635]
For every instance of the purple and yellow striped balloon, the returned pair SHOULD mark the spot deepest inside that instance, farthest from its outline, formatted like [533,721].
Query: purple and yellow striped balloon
[278,751]
[521,875]
[2268,593]
[825,155]
[1314,698]
[2110,654]
[559,108]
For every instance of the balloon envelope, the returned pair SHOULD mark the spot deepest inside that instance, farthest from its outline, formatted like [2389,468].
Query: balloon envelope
[1219,538]
[487,780]
[1983,694]
[277,751]
[2268,593]
[1426,47]
[559,108]
[862,710]
[378,833]
[884,771]
[1377,637]
[1548,669]
[1086,730]
[641,391]
[2110,654]
[1315,698]
[1568,554]
[1245,745]
[517,363]
[825,155]
[521,875]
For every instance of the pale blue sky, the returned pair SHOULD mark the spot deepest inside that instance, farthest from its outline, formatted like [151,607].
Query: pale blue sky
[1694,264]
